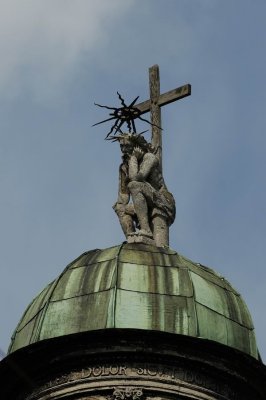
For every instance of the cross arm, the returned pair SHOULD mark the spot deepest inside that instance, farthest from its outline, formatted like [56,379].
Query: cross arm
[166,98]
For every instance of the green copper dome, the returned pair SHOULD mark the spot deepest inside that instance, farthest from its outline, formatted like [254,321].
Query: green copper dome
[141,287]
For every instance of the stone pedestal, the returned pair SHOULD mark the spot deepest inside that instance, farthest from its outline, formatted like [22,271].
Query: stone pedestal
[140,239]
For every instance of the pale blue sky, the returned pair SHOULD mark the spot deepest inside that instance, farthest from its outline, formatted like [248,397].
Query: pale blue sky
[59,177]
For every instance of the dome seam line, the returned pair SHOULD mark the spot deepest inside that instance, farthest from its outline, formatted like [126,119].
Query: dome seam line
[222,315]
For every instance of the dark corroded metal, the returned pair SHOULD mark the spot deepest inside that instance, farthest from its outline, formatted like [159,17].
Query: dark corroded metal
[121,115]
[142,287]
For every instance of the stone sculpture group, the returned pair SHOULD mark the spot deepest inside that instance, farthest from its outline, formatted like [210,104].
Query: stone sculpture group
[152,209]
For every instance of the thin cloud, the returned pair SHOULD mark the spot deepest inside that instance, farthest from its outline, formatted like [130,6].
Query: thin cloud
[42,41]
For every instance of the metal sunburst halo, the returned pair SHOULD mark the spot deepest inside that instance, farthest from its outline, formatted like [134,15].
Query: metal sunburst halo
[121,115]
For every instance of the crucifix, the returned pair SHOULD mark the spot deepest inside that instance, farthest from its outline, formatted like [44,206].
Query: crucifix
[155,103]
[145,207]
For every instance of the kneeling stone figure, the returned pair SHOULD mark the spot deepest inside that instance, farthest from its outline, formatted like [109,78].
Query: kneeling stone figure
[152,209]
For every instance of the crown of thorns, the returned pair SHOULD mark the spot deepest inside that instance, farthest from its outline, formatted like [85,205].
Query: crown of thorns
[125,114]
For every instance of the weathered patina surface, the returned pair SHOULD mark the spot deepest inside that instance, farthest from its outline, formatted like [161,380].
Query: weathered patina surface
[142,287]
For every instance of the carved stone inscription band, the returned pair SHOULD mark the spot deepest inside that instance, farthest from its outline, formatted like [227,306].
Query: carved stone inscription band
[167,377]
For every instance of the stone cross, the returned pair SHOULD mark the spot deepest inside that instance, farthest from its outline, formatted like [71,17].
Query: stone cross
[155,103]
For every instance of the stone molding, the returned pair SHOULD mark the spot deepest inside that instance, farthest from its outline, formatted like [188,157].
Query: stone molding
[118,376]
[131,365]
